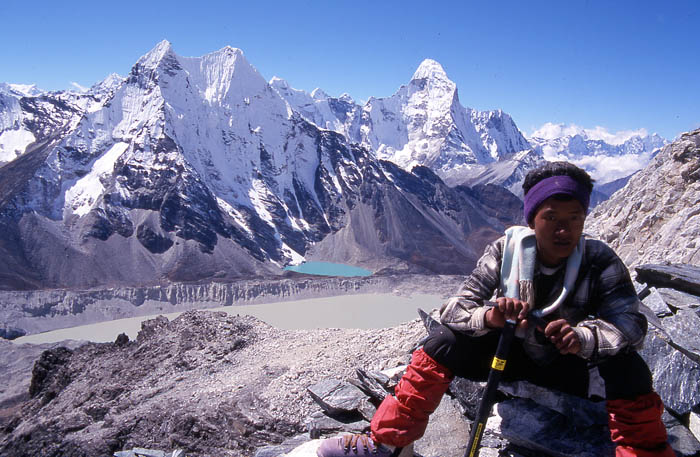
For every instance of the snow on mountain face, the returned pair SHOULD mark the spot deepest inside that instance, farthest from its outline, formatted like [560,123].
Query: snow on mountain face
[423,123]
[605,156]
[330,113]
[22,90]
[28,114]
[196,168]
[655,218]
[13,139]
[508,173]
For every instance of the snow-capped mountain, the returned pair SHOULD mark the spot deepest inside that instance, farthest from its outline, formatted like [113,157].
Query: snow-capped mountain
[423,123]
[508,173]
[606,156]
[196,167]
[326,112]
[28,114]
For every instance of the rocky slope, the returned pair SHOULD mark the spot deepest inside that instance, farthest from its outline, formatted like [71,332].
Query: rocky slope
[213,384]
[654,218]
[209,383]
[194,168]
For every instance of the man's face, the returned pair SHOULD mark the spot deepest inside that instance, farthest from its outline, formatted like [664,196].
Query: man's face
[558,225]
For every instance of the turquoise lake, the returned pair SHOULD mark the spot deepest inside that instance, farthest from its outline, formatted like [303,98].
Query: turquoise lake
[328,269]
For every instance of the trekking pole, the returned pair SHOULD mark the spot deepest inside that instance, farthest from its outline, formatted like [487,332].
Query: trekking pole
[498,364]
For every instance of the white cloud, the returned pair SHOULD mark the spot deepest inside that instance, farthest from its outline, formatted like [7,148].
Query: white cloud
[550,131]
[78,86]
[601,133]
[605,169]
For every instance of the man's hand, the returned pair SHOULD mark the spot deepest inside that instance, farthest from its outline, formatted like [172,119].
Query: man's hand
[507,309]
[563,336]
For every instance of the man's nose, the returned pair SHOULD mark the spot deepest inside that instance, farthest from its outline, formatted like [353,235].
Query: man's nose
[563,227]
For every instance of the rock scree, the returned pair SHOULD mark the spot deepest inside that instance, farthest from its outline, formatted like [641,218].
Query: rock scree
[211,384]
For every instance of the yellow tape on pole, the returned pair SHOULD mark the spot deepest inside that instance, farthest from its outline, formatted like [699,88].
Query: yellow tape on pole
[472,451]
[498,364]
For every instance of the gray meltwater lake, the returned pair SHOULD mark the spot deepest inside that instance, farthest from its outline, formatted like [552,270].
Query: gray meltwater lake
[363,311]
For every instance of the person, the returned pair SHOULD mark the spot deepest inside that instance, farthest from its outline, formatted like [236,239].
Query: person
[597,323]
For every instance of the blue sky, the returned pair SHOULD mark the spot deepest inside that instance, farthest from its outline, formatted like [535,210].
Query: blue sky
[622,65]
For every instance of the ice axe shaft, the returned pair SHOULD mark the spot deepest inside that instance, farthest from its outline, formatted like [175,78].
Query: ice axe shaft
[498,364]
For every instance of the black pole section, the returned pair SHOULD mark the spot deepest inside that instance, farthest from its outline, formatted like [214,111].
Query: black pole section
[497,366]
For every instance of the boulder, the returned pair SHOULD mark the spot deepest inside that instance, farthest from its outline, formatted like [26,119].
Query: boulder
[676,376]
[142,452]
[694,424]
[682,277]
[320,424]
[684,329]
[679,300]
[286,446]
[339,398]
[447,433]
[680,438]
[428,321]
[587,413]
[469,394]
[535,427]
[373,383]
[656,302]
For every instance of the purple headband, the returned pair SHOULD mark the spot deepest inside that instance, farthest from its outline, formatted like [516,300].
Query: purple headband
[556,185]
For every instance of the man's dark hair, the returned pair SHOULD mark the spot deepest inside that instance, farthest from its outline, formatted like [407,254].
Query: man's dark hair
[557,169]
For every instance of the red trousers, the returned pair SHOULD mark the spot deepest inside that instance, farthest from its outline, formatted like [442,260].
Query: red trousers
[636,427]
[403,418]
[635,424]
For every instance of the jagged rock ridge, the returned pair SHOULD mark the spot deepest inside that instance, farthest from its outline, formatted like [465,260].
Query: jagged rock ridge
[424,123]
[654,218]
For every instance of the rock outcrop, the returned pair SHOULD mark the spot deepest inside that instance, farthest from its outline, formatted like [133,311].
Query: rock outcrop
[208,383]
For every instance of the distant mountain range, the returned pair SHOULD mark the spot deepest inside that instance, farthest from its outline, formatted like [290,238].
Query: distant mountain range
[424,123]
[197,168]
[606,156]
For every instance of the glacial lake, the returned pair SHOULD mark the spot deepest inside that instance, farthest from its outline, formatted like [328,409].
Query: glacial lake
[364,311]
[328,269]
